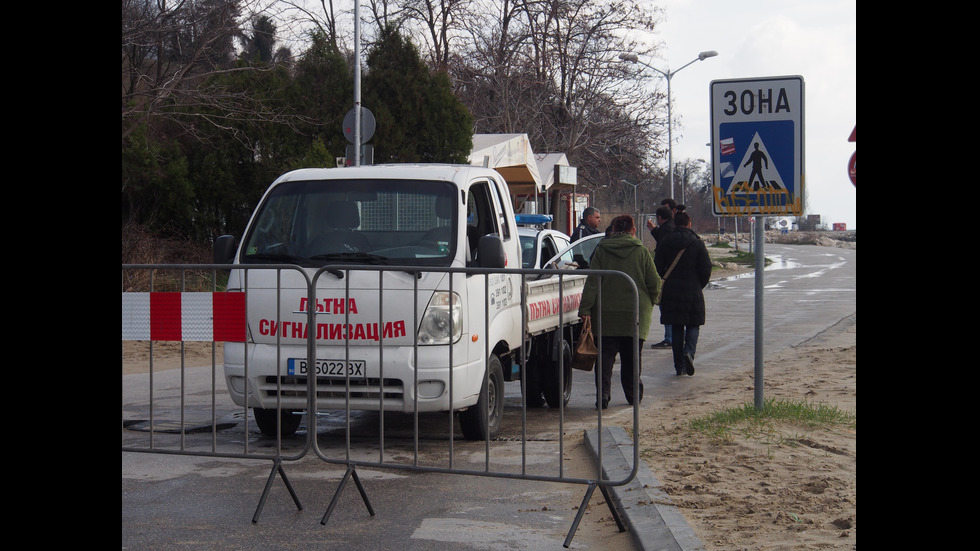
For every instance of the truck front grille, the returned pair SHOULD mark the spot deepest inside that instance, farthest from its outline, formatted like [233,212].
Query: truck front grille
[360,388]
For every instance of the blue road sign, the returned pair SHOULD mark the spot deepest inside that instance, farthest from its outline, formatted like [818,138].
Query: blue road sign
[757,146]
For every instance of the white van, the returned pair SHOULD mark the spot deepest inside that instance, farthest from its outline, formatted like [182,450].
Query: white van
[410,337]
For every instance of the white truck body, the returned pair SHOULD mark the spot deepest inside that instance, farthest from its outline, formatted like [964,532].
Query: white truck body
[384,333]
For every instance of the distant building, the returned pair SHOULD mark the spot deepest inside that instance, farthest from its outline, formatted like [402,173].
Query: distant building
[541,183]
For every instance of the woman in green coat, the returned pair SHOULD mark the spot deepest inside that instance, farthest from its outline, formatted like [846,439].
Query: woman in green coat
[616,324]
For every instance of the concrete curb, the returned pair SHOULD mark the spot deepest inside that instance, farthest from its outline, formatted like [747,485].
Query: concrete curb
[644,507]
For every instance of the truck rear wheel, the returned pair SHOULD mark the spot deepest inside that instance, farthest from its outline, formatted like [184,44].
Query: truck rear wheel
[481,421]
[556,389]
[266,420]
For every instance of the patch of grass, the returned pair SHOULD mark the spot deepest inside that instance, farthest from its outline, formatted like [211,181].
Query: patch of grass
[751,422]
[721,245]
[742,257]
[174,280]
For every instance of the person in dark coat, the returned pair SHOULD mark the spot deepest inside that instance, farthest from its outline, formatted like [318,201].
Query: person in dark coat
[665,221]
[665,225]
[682,301]
[589,225]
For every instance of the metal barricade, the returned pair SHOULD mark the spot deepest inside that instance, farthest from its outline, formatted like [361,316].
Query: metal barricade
[159,417]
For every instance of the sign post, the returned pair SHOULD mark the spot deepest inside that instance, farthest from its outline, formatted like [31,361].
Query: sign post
[757,165]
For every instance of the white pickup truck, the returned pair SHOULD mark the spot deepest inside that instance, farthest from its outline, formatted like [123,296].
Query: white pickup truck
[417,336]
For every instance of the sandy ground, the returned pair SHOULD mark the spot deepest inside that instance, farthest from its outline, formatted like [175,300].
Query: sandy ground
[785,487]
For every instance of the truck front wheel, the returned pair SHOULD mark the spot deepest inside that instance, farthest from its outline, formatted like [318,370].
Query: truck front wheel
[266,420]
[481,421]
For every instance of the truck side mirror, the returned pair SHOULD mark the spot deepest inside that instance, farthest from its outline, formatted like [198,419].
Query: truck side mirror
[490,252]
[224,249]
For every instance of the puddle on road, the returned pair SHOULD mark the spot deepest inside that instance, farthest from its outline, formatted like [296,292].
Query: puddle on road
[778,262]
[781,263]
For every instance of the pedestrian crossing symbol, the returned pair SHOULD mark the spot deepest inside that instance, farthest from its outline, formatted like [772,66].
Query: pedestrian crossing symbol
[756,172]
[752,161]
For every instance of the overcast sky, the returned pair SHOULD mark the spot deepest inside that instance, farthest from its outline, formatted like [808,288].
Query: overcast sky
[814,39]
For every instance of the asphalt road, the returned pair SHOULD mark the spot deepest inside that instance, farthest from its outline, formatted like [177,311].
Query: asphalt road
[174,501]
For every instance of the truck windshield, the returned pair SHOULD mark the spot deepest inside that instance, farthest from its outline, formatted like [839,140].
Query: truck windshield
[317,222]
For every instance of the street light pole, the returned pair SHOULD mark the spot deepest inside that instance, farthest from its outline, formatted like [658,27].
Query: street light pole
[631,57]
[635,186]
[684,181]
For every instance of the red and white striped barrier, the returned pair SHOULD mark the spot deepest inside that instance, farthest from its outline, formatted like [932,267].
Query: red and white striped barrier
[218,317]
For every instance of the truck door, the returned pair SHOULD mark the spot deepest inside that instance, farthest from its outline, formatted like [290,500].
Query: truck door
[480,219]
[486,215]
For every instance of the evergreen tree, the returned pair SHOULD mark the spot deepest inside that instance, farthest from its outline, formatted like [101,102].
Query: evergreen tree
[156,189]
[418,117]
[243,155]
[323,92]
[259,46]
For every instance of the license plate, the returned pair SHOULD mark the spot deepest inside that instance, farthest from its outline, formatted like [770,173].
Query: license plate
[327,368]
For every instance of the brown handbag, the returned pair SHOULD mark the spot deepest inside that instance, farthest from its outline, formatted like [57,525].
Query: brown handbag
[585,351]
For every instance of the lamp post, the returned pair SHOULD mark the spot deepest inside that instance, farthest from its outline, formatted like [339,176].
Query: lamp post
[684,181]
[631,57]
[594,190]
[627,182]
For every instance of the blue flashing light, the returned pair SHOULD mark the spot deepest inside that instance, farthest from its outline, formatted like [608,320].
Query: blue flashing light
[525,218]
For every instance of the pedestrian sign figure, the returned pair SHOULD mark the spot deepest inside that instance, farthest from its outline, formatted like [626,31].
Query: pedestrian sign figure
[762,180]
[757,158]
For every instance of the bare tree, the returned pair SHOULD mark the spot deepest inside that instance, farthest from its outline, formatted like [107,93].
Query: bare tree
[171,52]
[300,15]
[493,74]
[550,68]
[439,22]
[385,14]
[168,48]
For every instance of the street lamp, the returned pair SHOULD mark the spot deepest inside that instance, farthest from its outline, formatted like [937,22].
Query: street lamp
[631,57]
[634,190]
[594,190]
[684,180]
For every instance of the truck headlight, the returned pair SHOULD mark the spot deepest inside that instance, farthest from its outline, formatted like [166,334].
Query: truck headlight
[441,315]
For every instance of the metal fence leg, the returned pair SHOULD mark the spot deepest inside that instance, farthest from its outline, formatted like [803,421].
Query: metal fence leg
[613,509]
[276,467]
[343,482]
[581,512]
[360,488]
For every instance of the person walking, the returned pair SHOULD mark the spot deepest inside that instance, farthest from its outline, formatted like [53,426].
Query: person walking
[665,222]
[589,225]
[665,225]
[682,300]
[756,159]
[615,324]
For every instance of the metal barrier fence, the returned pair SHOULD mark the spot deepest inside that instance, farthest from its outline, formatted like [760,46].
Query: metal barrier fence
[178,408]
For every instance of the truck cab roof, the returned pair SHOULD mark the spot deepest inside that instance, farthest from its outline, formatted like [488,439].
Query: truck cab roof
[446,172]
